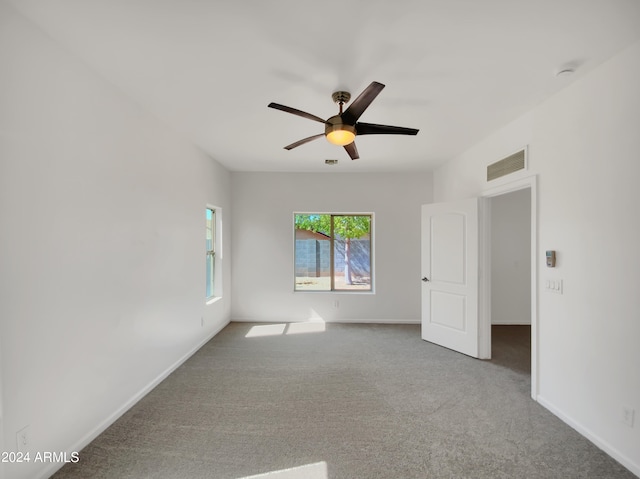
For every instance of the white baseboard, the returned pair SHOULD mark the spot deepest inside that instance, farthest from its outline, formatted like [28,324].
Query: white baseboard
[375,321]
[102,426]
[342,320]
[594,438]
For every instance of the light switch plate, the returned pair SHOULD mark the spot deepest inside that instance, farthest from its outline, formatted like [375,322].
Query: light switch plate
[553,286]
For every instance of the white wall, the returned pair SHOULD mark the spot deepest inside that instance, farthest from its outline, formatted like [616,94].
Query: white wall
[263,208]
[102,272]
[584,149]
[511,258]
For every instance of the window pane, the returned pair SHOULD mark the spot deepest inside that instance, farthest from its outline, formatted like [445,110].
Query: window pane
[332,252]
[210,268]
[210,226]
[352,252]
[313,252]
[210,251]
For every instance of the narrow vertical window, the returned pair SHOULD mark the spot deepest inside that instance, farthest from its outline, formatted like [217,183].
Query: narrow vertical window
[333,252]
[211,251]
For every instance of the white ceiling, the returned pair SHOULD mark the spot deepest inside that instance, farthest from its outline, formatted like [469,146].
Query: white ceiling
[455,69]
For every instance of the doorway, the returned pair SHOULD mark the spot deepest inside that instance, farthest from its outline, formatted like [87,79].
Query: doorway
[511,280]
[461,233]
[510,274]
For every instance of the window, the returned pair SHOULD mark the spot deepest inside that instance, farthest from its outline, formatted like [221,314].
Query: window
[333,252]
[211,251]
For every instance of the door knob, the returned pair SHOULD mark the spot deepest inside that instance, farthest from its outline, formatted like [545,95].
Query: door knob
[425,279]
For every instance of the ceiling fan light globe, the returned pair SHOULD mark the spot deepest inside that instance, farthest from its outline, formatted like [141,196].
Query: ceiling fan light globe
[340,137]
[339,133]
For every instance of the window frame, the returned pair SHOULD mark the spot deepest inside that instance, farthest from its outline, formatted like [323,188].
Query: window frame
[332,246]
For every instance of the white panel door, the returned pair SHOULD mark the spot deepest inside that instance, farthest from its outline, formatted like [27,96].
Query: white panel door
[450,247]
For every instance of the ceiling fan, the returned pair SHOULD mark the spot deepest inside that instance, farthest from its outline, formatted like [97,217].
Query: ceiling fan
[341,129]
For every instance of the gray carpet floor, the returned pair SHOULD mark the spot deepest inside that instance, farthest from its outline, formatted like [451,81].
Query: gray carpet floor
[357,401]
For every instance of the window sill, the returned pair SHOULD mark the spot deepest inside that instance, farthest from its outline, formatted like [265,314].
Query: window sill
[335,291]
[212,300]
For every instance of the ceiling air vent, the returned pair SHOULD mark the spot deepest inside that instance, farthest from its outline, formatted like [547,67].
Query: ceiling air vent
[508,165]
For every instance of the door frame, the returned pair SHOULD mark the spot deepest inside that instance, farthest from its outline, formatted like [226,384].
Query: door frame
[529,182]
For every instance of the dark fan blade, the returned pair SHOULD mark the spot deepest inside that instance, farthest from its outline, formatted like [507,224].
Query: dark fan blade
[302,142]
[301,113]
[352,150]
[372,129]
[360,104]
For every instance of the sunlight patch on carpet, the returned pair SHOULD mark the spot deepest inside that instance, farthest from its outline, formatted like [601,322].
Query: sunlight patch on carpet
[266,330]
[278,329]
[310,327]
[317,470]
